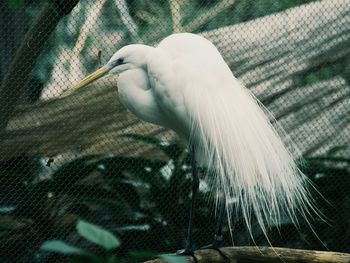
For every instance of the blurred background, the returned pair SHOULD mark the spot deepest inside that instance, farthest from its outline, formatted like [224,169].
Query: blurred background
[85,157]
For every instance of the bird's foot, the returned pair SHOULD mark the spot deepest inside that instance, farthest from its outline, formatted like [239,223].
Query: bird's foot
[216,246]
[187,252]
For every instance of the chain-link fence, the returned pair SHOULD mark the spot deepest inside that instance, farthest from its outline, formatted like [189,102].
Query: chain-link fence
[85,157]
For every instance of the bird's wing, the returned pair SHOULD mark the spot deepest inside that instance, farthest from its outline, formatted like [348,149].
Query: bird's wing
[135,95]
[234,137]
[170,78]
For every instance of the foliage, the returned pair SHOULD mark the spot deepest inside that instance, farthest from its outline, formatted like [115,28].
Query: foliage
[97,236]
[13,4]
[146,201]
[102,238]
[331,175]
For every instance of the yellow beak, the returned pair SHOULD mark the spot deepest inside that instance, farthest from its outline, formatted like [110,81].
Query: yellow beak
[86,81]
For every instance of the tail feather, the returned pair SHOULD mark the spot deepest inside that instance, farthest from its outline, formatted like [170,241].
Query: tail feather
[240,146]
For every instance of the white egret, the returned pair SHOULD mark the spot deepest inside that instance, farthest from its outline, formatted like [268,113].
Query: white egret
[184,84]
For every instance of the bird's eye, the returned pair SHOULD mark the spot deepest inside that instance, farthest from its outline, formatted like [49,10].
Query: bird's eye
[119,61]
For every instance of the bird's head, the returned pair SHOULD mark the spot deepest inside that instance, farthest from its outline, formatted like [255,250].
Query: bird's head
[126,58]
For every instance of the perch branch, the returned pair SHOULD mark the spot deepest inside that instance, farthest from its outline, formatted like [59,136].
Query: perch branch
[266,254]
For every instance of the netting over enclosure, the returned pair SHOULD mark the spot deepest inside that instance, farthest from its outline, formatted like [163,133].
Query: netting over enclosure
[85,157]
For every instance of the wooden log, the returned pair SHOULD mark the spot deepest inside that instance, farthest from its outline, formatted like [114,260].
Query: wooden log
[265,254]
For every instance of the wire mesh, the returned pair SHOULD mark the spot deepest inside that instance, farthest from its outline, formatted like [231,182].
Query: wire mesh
[86,157]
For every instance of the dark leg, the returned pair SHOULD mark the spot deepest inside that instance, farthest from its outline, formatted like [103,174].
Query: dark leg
[195,186]
[218,237]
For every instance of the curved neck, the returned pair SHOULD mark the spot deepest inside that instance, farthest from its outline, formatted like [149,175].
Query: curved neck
[159,64]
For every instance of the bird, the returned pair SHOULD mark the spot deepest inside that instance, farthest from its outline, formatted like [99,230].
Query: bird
[185,85]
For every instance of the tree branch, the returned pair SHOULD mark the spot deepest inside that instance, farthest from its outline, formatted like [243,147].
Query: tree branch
[90,25]
[127,19]
[175,10]
[27,54]
[266,254]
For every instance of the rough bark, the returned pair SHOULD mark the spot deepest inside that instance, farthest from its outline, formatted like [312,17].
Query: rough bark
[266,254]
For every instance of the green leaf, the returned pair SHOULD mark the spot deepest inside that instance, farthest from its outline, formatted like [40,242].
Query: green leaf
[111,259]
[74,171]
[90,258]
[6,226]
[14,4]
[116,166]
[141,254]
[97,235]
[173,258]
[173,150]
[61,247]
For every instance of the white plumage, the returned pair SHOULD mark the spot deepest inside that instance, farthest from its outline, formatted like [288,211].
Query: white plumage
[184,84]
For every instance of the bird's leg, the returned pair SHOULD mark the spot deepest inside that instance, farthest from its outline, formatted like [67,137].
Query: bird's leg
[195,187]
[218,237]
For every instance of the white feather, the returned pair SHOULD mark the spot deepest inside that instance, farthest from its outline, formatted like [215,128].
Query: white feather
[195,93]
[234,137]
